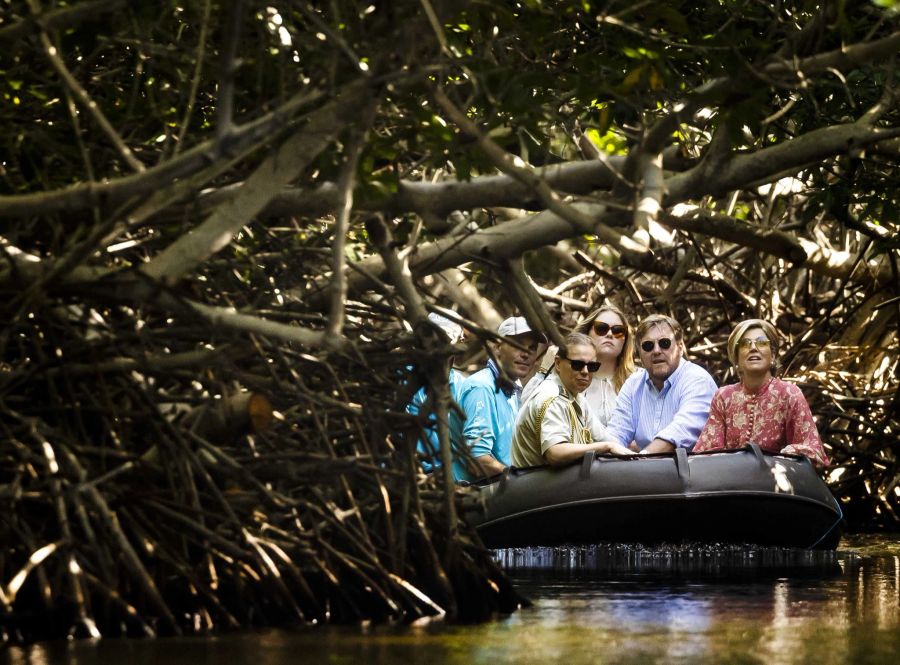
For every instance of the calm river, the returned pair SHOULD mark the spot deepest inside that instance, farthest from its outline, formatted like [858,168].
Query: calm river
[601,606]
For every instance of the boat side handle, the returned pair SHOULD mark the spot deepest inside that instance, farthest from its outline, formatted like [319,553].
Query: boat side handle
[504,476]
[681,462]
[758,453]
[586,464]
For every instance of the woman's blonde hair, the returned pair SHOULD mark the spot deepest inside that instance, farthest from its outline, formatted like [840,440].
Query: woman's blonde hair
[741,328]
[625,361]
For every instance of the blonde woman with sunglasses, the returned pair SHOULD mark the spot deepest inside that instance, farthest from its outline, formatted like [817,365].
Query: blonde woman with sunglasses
[761,408]
[609,330]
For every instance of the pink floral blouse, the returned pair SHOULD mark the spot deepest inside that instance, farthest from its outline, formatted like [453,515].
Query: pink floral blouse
[777,417]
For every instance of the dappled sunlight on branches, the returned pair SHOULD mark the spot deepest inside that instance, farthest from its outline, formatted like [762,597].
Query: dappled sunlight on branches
[223,227]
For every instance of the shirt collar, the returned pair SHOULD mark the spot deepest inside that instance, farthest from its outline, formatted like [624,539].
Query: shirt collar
[562,389]
[502,385]
[668,382]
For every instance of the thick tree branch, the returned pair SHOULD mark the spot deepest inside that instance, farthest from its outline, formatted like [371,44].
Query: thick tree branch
[848,57]
[507,164]
[341,224]
[115,192]
[148,364]
[773,242]
[103,286]
[650,198]
[512,239]
[660,134]
[524,293]
[495,244]
[442,198]
[280,169]
[435,367]
[56,19]
[228,68]
[758,167]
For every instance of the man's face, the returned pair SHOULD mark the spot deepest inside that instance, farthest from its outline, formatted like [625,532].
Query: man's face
[576,381]
[516,362]
[660,362]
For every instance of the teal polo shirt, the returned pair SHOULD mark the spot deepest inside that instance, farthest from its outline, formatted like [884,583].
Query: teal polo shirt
[489,423]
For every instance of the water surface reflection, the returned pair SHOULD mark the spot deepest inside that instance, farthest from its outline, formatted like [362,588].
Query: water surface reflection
[841,608]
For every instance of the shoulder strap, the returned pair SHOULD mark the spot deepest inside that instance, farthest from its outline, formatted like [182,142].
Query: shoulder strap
[579,431]
[540,416]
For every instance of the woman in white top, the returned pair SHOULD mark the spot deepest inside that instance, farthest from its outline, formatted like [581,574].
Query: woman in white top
[612,335]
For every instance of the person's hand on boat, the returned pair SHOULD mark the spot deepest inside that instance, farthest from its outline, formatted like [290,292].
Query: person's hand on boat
[566,453]
[616,448]
[658,446]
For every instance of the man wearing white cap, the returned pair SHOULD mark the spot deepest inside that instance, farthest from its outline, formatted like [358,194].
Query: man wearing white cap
[490,400]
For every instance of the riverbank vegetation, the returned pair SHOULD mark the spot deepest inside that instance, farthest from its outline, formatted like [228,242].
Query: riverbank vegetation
[223,225]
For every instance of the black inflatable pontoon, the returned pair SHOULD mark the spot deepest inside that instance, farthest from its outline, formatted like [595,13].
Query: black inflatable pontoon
[738,496]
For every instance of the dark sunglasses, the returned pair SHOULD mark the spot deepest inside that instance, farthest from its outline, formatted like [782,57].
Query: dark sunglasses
[603,328]
[579,365]
[664,344]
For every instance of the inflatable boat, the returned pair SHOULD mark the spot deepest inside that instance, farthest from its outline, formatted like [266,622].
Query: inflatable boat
[737,496]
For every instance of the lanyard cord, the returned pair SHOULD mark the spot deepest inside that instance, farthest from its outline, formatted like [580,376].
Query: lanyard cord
[579,431]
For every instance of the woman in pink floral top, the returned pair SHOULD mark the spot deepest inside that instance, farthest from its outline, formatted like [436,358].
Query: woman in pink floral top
[761,408]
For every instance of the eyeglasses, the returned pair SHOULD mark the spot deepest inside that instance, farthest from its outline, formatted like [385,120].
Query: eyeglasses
[760,342]
[602,329]
[664,344]
[579,365]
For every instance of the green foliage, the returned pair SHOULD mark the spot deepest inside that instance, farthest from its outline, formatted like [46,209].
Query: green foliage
[524,72]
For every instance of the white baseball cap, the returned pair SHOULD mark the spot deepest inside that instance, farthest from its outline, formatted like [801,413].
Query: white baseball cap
[452,329]
[516,325]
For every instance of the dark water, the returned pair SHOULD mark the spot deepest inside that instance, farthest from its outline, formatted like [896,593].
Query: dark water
[613,605]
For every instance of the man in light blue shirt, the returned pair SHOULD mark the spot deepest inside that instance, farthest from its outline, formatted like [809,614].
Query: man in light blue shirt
[429,447]
[664,405]
[490,400]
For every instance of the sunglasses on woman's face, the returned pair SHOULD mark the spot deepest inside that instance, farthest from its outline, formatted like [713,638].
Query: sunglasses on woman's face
[664,344]
[760,342]
[603,328]
[579,365]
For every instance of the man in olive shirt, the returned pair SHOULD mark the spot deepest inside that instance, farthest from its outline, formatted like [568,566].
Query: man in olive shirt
[556,426]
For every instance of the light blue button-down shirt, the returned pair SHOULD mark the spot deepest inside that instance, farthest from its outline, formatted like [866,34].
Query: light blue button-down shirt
[430,447]
[490,420]
[677,413]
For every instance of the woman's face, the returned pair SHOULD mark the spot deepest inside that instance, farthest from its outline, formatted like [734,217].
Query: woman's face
[577,380]
[754,352]
[612,340]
